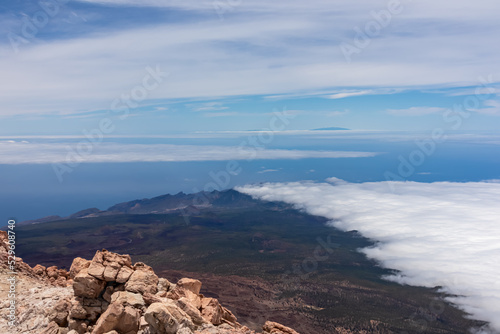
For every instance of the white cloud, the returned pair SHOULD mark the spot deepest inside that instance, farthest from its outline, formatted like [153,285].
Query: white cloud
[282,48]
[12,152]
[208,106]
[268,171]
[349,94]
[436,234]
[415,111]
[492,107]
[224,114]
[337,113]
[335,181]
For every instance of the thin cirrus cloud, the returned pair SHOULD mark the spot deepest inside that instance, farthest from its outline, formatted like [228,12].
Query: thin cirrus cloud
[491,107]
[441,234]
[349,94]
[15,152]
[257,48]
[416,111]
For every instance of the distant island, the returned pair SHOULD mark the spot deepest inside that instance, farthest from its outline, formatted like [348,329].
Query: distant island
[330,129]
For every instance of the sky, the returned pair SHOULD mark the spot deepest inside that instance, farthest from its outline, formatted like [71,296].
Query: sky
[157,67]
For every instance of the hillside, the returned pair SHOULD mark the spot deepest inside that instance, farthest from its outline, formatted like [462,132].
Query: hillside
[261,259]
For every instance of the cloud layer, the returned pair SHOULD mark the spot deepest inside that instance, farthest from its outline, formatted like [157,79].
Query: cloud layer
[436,234]
[257,47]
[12,152]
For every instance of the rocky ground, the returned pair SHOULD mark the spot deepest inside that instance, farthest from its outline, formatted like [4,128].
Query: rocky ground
[110,295]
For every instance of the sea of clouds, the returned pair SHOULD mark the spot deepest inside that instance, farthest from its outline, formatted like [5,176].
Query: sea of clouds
[441,234]
[24,152]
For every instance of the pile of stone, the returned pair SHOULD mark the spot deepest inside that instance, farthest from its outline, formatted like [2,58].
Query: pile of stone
[112,296]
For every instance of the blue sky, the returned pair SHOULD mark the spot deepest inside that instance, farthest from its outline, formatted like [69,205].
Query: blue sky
[226,65]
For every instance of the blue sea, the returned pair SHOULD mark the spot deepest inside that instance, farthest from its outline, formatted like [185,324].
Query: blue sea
[33,190]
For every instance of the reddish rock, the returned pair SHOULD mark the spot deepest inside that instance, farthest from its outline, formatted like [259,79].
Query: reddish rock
[167,318]
[124,274]
[142,280]
[211,310]
[40,270]
[192,311]
[78,265]
[53,272]
[60,313]
[276,328]
[123,319]
[87,286]
[190,284]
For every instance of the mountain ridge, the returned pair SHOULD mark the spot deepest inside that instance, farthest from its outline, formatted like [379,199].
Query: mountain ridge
[167,203]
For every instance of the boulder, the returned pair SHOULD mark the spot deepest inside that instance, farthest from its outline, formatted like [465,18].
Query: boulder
[87,286]
[78,265]
[40,270]
[192,311]
[167,318]
[188,288]
[212,311]
[142,280]
[190,284]
[163,285]
[60,313]
[123,319]
[53,272]
[150,299]
[229,318]
[276,328]
[87,309]
[79,326]
[106,265]
[127,298]
[124,274]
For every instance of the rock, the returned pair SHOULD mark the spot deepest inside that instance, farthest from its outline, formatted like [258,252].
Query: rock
[60,313]
[53,272]
[163,285]
[211,310]
[190,284]
[40,270]
[96,269]
[63,273]
[78,265]
[142,280]
[123,319]
[111,272]
[184,330]
[52,328]
[87,309]
[124,274]
[77,311]
[128,298]
[113,300]
[188,288]
[276,328]
[229,318]
[87,286]
[150,299]
[167,318]
[160,320]
[192,311]
[79,326]
[106,265]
